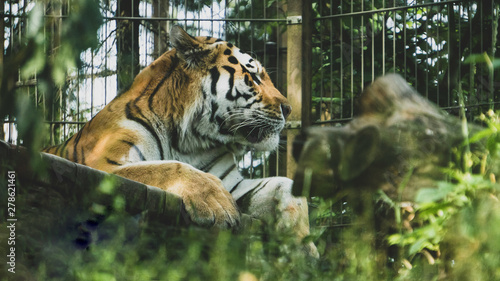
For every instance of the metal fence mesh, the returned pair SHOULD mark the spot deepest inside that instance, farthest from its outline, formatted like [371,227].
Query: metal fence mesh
[431,43]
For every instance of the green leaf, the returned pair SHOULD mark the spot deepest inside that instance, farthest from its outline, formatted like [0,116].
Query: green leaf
[480,135]
[427,195]
[476,58]
[418,246]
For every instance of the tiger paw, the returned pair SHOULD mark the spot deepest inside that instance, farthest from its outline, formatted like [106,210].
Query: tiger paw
[207,202]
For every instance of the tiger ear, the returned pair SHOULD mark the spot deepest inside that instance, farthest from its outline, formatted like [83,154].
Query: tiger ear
[192,51]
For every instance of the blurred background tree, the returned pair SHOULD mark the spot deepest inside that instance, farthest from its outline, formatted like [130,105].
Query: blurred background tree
[39,52]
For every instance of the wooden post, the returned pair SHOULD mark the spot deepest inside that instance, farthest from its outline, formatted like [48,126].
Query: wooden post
[294,77]
[307,29]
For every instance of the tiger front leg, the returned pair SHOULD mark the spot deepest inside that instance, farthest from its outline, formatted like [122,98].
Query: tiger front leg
[271,200]
[206,201]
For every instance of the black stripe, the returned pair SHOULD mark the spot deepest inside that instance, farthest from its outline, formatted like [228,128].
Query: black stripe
[112,162]
[83,156]
[256,100]
[219,121]
[255,79]
[132,145]
[232,59]
[244,95]
[229,94]
[130,116]
[227,171]
[173,66]
[57,150]
[244,69]
[174,136]
[214,108]
[77,140]
[207,167]
[248,82]
[235,186]
[215,74]
[61,147]
[256,189]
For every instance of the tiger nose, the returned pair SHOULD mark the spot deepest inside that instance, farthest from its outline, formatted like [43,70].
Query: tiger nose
[285,110]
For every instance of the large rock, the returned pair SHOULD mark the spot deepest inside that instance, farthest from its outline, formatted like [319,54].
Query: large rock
[398,144]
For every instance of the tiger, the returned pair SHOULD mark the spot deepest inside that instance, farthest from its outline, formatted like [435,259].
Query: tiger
[182,123]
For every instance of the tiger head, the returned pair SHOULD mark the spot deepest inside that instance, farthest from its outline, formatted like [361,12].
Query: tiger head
[238,103]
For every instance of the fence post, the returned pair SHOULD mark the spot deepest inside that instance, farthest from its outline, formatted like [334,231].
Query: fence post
[294,77]
[307,30]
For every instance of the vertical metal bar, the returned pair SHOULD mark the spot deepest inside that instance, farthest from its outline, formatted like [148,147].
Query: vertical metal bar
[132,31]
[415,26]
[252,28]
[146,35]
[450,10]
[264,59]
[460,10]
[373,41]
[404,42]
[341,38]
[226,4]
[471,72]
[394,39]
[239,23]
[212,15]
[438,46]
[78,98]
[494,30]
[362,42]
[92,85]
[481,67]
[383,39]
[278,47]
[427,20]
[329,101]
[10,126]
[62,133]
[321,70]
[105,62]
[199,16]
[352,60]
